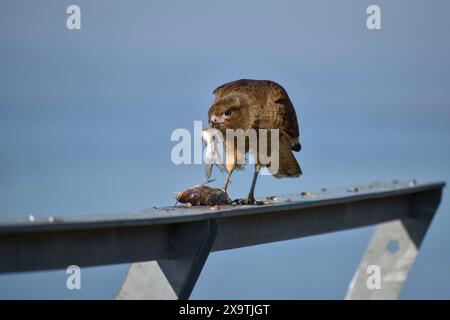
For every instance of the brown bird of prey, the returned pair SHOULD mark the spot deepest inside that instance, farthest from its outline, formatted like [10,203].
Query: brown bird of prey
[257,104]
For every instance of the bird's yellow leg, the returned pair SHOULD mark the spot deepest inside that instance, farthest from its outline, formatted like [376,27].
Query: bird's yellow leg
[230,164]
[227,180]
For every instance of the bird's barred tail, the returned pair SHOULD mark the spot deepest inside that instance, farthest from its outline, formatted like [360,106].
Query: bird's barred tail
[288,165]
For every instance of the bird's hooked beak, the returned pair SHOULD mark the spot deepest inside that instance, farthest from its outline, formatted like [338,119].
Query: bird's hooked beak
[213,125]
[214,122]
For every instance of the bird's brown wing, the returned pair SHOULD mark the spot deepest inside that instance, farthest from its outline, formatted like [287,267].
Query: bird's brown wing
[279,101]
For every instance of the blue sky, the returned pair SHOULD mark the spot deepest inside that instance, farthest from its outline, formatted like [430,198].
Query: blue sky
[86,118]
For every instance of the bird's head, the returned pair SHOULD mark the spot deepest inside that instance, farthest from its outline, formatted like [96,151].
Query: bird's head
[226,114]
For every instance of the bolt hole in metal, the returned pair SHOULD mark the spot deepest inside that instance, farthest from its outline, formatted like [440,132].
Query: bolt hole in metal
[393,246]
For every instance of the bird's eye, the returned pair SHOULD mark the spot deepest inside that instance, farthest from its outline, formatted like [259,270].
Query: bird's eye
[228,112]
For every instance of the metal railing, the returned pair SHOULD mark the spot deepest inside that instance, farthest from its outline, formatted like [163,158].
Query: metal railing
[169,246]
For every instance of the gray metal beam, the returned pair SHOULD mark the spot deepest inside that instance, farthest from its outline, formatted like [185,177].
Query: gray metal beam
[145,235]
[176,241]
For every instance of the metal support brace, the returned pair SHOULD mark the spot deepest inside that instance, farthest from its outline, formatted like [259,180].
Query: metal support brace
[392,250]
[173,278]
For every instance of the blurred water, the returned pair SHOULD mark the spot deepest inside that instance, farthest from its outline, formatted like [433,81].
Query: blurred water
[86,118]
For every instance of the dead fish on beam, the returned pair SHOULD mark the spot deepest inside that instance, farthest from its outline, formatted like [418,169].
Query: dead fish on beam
[202,195]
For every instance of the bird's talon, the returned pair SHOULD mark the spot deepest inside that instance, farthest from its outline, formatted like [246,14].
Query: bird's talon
[209,181]
[248,201]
